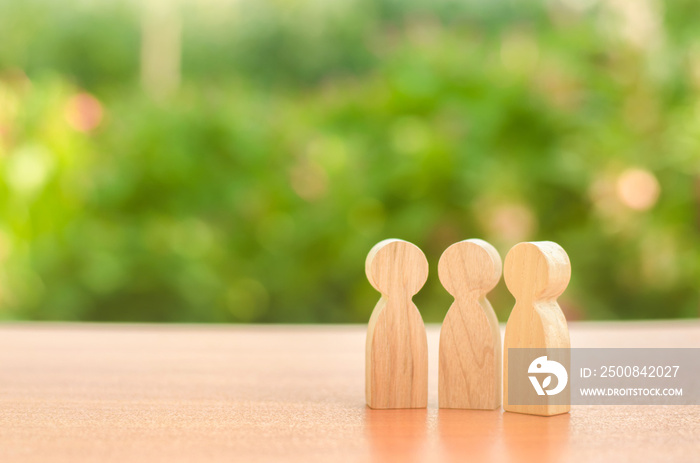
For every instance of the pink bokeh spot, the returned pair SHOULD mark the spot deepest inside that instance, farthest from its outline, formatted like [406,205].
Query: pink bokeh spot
[84,112]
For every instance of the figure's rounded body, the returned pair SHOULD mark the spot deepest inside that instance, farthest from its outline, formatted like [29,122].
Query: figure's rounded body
[536,274]
[397,348]
[469,374]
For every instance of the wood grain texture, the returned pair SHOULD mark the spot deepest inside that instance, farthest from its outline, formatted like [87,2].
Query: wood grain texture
[396,348]
[536,274]
[470,340]
[175,393]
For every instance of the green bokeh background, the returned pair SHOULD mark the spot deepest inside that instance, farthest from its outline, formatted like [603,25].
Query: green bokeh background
[300,133]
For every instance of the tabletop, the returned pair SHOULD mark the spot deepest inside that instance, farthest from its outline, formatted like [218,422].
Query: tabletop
[177,393]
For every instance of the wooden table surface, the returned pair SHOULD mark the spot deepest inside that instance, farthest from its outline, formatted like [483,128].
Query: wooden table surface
[156,393]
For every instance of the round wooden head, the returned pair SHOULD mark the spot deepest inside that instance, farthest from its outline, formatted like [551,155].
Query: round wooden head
[470,266]
[538,270]
[396,267]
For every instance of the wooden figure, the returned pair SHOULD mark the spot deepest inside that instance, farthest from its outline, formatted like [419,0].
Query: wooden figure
[396,358]
[536,274]
[470,338]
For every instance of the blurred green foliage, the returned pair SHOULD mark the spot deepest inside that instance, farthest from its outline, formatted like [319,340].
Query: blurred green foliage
[301,133]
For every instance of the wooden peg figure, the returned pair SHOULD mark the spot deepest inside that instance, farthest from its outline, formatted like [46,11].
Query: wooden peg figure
[396,359]
[469,373]
[536,274]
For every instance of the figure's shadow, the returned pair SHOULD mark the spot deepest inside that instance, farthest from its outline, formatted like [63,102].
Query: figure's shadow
[465,435]
[495,436]
[470,435]
[546,437]
[397,435]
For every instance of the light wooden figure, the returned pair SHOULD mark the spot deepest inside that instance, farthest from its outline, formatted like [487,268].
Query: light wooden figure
[470,338]
[396,358]
[536,273]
